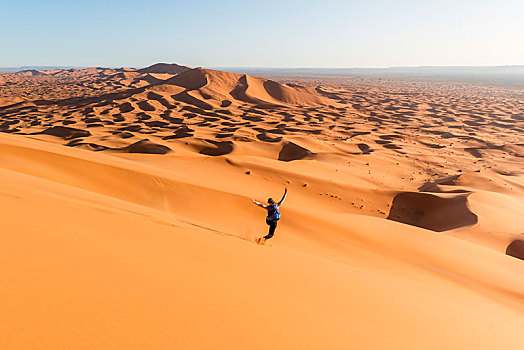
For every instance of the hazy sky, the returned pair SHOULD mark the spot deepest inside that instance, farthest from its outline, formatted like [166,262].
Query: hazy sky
[281,33]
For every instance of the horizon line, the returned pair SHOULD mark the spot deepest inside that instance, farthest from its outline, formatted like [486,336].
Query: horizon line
[28,67]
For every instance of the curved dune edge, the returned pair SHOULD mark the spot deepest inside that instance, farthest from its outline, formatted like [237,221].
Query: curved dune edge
[516,249]
[66,133]
[291,151]
[147,147]
[141,254]
[431,211]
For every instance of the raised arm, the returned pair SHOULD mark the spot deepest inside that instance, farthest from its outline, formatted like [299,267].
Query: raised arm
[259,204]
[283,198]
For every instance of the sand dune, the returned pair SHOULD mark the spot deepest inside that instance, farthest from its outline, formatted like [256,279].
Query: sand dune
[94,81]
[223,86]
[8,101]
[164,68]
[127,220]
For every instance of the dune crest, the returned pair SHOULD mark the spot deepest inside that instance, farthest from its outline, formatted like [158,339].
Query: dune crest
[223,86]
[169,68]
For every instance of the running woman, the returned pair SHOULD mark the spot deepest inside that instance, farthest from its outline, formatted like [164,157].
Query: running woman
[273,215]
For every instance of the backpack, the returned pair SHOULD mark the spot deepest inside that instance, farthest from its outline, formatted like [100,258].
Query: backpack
[273,213]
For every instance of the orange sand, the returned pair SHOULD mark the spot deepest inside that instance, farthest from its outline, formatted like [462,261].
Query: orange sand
[140,234]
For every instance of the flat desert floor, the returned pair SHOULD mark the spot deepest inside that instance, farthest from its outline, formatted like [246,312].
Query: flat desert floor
[127,222]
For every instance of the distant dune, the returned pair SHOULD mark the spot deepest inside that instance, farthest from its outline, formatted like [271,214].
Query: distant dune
[127,219]
[169,68]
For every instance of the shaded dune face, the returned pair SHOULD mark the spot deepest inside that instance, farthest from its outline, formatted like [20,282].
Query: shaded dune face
[143,146]
[190,80]
[146,146]
[66,133]
[187,98]
[217,148]
[434,186]
[432,212]
[516,249]
[164,68]
[291,151]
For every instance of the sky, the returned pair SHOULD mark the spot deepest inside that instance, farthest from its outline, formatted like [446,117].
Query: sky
[280,33]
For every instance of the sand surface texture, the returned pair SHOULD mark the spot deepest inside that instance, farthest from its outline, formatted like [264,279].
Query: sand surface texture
[127,220]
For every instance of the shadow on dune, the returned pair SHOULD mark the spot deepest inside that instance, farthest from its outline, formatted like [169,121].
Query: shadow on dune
[291,151]
[434,186]
[265,138]
[146,146]
[65,132]
[432,212]
[219,148]
[186,98]
[143,146]
[516,249]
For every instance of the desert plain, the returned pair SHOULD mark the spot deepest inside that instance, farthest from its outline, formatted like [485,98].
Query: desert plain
[127,222]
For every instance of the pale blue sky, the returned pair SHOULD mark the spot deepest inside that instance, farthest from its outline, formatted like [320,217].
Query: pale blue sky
[283,33]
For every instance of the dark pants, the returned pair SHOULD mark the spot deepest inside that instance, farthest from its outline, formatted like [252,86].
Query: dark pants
[272,226]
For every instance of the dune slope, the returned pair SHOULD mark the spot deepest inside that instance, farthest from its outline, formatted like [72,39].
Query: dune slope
[118,256]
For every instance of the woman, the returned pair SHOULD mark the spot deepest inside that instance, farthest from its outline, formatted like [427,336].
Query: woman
[273,215]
